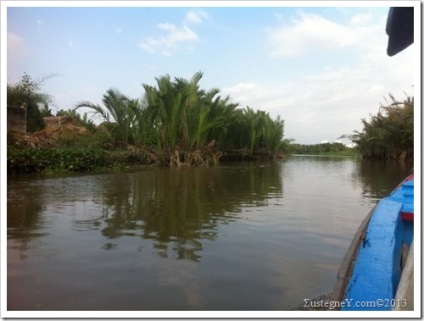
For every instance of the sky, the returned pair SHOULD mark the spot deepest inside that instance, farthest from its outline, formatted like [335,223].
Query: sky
[321,68]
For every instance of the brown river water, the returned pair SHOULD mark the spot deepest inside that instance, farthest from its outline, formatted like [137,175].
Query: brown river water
[239,236]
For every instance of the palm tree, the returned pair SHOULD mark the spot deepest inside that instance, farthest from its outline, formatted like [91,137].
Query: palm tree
[209,119]
[118,110]
[192,104]
[165,108]
[224,112]
[389,134]
[273,132]
[181,112]
[255,123]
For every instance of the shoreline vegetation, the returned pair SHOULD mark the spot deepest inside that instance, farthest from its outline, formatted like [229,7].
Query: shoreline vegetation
[66,145]
[70,147]
[80,157]
[176,124]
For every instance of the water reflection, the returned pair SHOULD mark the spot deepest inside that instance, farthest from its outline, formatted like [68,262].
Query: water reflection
[178,208]
[379,178]
[24,219]
[175,208]
[234,237]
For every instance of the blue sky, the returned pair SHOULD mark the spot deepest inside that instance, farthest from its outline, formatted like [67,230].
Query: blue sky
[320,68]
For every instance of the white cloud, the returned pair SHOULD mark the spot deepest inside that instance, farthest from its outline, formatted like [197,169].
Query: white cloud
[195,17]
[171,41]
[330,102]
[309,33]
[361,19]
[260,96]
[175,36]
[244,91]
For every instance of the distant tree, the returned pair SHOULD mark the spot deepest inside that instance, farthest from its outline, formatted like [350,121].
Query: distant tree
[27,92]
[315,149]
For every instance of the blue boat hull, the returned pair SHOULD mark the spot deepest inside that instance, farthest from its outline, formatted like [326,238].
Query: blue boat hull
[370,274]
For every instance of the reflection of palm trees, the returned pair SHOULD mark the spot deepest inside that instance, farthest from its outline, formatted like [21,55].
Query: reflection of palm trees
[177,209]
[24,217]
[375,179]
[182,250]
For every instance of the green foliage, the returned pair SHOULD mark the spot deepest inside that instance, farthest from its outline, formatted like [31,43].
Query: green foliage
[38,159]
[255,131]
[177,115]
[35,120]
[100,139]
[10,139]
[118,109]
[69,159]
[187,118]
[176,123]
[390,133]
[28,92]
[320,149]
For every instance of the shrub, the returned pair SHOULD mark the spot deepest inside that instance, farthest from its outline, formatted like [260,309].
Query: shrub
[69,159]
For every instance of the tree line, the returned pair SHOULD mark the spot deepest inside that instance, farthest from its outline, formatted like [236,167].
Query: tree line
[187,125]
[335,148]
[177,123]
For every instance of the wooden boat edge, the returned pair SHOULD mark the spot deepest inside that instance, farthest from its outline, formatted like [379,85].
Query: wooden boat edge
[346,267]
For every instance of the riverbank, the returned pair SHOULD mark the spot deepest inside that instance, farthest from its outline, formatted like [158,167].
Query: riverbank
[70,159]
[79,159]
[65,145]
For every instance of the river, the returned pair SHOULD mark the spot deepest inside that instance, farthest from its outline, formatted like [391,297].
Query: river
[239,236]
